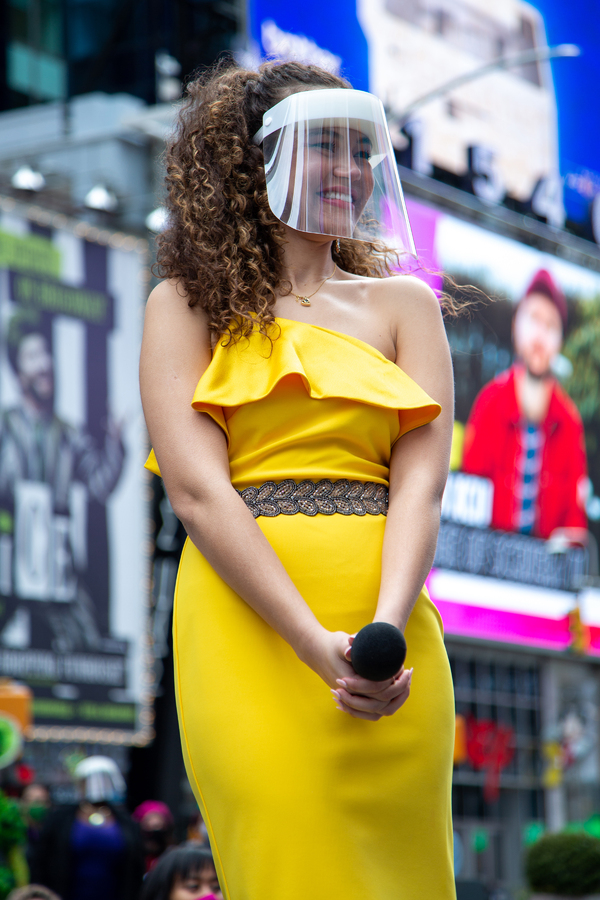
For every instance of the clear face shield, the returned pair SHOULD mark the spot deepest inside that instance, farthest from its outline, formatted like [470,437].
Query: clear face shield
[330,167]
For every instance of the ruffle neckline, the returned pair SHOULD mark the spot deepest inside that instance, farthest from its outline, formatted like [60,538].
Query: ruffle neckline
[331,364]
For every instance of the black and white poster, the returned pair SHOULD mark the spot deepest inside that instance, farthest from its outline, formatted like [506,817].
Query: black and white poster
[73,493]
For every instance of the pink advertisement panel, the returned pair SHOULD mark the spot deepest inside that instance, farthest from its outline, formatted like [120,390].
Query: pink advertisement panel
[518,538]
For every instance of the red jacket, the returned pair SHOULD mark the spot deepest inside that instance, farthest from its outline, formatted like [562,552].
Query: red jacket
[493,445]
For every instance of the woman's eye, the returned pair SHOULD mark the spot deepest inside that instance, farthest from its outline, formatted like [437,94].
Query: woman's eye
[324,146]
[363,154]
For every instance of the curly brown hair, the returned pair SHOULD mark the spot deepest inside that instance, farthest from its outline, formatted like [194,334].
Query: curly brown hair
[223,244]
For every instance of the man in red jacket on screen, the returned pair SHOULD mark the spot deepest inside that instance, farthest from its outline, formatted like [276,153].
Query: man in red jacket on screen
[525,433]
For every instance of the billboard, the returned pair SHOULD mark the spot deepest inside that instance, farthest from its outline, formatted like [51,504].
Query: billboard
[73,495]
[497,577]
[521,136]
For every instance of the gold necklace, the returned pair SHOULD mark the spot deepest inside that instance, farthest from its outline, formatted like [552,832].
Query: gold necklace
[305,301]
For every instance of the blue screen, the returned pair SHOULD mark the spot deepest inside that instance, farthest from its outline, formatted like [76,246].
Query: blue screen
[332,24]
[576,84]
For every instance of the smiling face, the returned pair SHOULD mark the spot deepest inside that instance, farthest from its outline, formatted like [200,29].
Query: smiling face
[338,179]
[319,176]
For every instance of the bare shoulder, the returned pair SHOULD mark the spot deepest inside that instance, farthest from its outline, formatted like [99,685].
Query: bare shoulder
[169,315]
[389,313]
[398,292]
[408,307]
[405,294]
[166,292]
[412,309]
[176,336]
[169,299]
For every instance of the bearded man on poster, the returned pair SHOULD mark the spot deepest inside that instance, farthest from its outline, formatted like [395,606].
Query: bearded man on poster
[524,432]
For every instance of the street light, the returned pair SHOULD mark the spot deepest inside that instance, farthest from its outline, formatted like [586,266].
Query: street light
[101,198]
[157,220]
[503,62]
[168,85]
[27,179]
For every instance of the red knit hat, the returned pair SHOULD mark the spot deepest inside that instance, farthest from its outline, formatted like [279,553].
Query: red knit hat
[153,806]
[543,283]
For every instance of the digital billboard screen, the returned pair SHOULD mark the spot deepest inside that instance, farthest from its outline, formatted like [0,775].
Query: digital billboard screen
[517,541]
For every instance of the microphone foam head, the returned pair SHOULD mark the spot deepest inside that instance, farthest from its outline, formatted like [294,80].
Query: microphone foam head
[378,651]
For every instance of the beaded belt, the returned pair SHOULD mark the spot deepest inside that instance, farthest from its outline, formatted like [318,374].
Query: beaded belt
[350,498]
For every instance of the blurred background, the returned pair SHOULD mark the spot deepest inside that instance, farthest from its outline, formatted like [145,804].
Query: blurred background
[496,131]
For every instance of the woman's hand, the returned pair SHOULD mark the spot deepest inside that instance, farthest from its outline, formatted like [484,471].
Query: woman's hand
[377,699]
[328,653]
[325,653]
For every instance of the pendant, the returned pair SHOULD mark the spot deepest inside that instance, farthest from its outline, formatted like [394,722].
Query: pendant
[304,301]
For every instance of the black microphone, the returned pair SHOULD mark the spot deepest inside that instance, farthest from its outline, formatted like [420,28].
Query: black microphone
[378,651]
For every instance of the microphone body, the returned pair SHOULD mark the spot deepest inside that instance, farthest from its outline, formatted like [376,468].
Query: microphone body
[378,651]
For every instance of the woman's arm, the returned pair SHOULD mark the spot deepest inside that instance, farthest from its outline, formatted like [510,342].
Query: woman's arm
[418,472]
[192,454]
[420,459]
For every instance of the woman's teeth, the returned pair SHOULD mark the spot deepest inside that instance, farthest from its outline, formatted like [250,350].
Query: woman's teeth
[337,195]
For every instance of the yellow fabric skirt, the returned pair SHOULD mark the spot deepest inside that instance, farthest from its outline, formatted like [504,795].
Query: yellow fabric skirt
[300,800]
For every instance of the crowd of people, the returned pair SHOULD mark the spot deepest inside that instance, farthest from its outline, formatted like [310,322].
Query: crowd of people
[96,849]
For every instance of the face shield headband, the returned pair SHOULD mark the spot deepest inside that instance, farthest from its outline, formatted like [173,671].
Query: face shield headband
[330,167]
[102,780]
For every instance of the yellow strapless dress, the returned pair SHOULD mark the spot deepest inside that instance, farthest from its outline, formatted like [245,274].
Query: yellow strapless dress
[302,801]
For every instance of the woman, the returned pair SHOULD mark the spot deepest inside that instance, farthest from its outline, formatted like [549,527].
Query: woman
[183,873]
[317,368]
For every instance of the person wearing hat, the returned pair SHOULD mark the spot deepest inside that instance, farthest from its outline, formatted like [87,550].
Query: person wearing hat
[156,825]
[91,850]
[525,434]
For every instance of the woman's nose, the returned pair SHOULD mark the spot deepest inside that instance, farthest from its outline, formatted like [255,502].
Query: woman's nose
[347,168]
